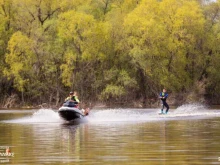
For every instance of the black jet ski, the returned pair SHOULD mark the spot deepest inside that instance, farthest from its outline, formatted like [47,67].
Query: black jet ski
[69,111]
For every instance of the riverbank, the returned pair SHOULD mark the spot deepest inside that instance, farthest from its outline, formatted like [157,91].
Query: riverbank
[174,100]
[99,105]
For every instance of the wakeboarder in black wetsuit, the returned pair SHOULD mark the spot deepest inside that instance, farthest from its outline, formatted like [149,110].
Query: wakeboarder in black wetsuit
[163,97]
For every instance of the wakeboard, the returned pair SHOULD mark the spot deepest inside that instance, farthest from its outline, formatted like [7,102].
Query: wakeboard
[161,113]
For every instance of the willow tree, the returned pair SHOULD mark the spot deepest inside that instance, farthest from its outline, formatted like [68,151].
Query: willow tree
[84,41]
[119,84]
[6,30]
[184,25]
[210,71]
[35,21]
[20,60]
[161,39]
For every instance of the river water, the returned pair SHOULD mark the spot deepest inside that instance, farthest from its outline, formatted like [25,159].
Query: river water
[189,134]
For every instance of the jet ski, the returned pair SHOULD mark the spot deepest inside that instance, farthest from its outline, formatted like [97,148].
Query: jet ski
[69,111]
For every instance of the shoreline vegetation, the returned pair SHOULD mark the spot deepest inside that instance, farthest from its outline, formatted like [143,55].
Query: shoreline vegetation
[152,103]
[112,52]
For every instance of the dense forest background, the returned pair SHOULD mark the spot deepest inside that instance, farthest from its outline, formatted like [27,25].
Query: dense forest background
[110,51]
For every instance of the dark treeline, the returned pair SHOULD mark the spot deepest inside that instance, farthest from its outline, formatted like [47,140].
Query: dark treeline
[110,51]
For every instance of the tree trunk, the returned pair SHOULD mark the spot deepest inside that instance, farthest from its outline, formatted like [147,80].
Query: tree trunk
[143,86]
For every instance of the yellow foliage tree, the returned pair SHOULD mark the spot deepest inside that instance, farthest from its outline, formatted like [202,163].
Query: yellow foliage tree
[161,36]
[20,60]
[83,39]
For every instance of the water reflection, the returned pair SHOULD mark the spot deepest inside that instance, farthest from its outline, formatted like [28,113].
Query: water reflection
[165,142]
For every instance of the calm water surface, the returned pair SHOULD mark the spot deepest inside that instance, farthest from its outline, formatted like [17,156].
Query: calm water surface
[188,135]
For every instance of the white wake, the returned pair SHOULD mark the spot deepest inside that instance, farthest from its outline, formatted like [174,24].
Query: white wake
[40,116]
[188,111]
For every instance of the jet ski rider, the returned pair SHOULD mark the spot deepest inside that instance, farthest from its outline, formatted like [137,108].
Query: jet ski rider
[73,97]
